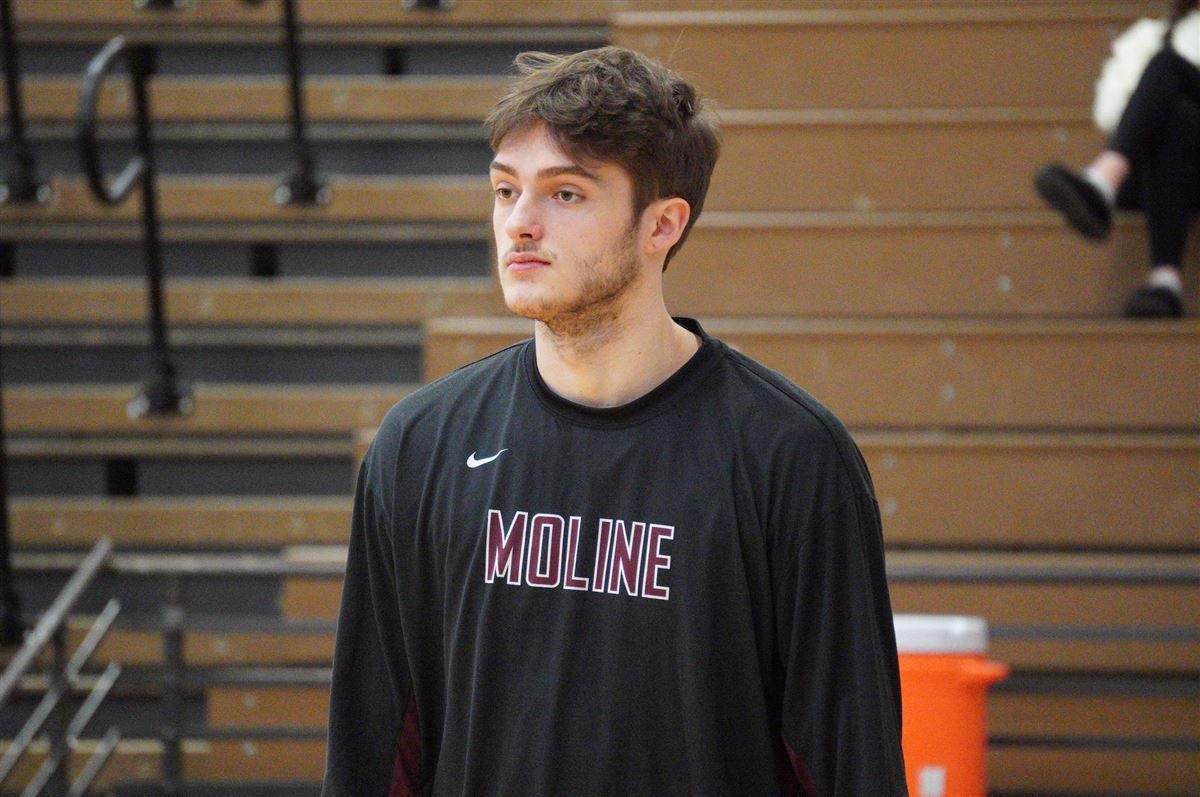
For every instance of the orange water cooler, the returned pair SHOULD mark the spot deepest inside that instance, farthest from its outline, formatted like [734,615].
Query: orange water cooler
[944,678]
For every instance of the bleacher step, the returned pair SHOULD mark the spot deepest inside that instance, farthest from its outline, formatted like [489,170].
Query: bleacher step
[305,302]
[219,409]
[930,373]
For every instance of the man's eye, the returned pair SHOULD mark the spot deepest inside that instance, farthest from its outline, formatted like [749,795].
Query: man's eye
[568,196]
[504,192]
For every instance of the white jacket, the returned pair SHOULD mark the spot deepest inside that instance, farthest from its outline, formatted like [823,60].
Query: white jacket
[1132,50]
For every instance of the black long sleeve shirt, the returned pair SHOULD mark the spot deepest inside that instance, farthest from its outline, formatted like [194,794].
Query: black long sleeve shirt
[684,595]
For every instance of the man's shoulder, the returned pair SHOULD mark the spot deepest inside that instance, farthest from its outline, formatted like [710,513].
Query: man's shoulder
[784,424]
[764,393]
[460,392]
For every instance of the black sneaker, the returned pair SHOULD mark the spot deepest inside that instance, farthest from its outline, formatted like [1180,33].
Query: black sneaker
[1148,302]
[1078,200]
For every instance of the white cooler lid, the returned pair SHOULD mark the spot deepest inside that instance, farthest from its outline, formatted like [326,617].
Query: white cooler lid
[940,633]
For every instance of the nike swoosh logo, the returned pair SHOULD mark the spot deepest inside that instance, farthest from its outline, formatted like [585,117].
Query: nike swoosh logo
[475,463]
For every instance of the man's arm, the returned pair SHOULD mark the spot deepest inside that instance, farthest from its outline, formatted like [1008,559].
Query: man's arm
[841,691]
[373,735]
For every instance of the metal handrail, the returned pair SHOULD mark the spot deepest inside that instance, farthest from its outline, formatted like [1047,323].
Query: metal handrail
[22,184]
[161,394]
[301,186]
[63,731]
[174,676]
[12,625]
[42,634]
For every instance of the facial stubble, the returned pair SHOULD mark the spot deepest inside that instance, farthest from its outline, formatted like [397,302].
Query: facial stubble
[592,312]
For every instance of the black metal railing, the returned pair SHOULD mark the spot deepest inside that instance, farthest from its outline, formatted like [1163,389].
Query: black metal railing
[302,185]
[12,625]
[161,393]
[21,184]
[50,714]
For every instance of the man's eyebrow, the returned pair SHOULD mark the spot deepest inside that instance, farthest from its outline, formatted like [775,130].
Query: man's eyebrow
[549,171]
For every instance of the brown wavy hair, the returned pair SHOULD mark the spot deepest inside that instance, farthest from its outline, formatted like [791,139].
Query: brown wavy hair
[614,105]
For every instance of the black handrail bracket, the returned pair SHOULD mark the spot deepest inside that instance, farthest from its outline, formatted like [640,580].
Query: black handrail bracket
[161,393]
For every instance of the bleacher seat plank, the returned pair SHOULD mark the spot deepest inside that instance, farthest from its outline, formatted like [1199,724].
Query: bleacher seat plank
[211,521]
[235,198]
[219,408]
[203,648]
[1049,54]
[1012,715]
[1056,490]
[285,760]
[313,12]
[1089,605]
[278,230]
[1075,653]
[362,98]
[251,759]
[304,598]
[245,446]
[1075,715]
[1004,264]
[1025,769]
[897,160]
[133,760]
[250,302]
[904,374]
[268,706]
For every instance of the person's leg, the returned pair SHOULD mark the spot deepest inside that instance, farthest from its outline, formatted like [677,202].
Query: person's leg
[1086,198]
[1170,195]
[1143,125]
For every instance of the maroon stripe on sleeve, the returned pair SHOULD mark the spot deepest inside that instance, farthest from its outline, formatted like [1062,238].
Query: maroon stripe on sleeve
[406,770]
[796,781]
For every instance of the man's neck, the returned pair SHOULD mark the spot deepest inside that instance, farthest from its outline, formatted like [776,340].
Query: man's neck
[613,363]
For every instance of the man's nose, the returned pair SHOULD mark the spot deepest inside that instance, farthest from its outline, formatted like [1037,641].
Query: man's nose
[524,222]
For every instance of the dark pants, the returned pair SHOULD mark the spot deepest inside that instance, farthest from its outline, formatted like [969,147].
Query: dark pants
[1159,133]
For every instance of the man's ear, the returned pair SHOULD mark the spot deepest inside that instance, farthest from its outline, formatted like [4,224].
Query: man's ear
[666,219]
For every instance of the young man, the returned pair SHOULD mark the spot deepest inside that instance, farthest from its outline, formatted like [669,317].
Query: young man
[619,558]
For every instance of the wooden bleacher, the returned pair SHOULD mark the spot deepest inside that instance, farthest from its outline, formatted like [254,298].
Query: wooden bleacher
[1034,456]
[197,301]
[1041,374]
[224,100]
[194,522]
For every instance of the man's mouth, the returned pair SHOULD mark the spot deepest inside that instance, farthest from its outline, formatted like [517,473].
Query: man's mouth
[524,261]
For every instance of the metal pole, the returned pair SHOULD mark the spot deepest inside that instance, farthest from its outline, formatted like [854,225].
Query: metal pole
[22,184]
[172,687]
[12,627]
[161,395]
[302,186]
[56,725]
[42,634]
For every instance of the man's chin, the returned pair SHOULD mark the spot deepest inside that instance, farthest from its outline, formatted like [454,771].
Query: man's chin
[526,306]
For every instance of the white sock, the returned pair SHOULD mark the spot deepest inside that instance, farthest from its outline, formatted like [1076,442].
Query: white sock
[1166,277]
[1103,186]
